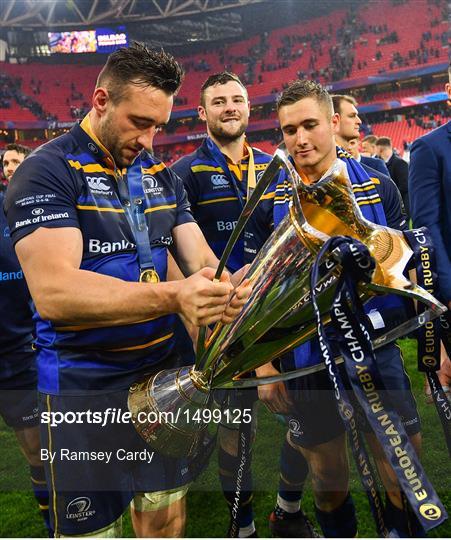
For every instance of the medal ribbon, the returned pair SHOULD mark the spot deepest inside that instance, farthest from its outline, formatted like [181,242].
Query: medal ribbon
[219,158]
[136,218]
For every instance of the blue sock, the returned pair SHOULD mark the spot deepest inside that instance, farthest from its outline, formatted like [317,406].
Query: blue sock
[341,522]
[228,466]
[406,526]
[293,473]
[41,494]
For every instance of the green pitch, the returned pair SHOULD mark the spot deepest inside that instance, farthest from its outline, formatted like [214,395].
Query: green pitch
[207,512]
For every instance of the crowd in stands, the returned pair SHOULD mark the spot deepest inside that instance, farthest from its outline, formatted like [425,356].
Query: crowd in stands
[11,91]
[341,45]
[338,46]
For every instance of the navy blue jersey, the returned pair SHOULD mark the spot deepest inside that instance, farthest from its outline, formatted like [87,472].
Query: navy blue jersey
[390,197]
[217,198]
[71,182]
[16,323]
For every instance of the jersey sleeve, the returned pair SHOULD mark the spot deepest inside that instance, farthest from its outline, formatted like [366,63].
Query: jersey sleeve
[184,214]
[182,168]
[391,200]
[393,205]
[42,193]
[428,205]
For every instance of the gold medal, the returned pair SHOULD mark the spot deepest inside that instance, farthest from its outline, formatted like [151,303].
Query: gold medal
[149,276]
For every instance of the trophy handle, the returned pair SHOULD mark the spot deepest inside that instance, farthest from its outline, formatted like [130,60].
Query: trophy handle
[435,310]
[270,172]
[251,382]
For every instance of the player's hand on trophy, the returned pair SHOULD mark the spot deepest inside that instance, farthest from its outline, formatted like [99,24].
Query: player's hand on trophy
[240,295]
[201,300]
[274,395]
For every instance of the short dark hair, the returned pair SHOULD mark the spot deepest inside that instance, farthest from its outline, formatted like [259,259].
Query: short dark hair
[219,78]
[19,148]
[370,138]
[337,100]
[299,90]
[141,66]
[384,141]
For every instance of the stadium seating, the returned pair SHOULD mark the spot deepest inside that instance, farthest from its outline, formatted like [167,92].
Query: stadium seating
[271,60]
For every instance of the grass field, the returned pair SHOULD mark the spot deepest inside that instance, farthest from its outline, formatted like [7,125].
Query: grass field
[207,513]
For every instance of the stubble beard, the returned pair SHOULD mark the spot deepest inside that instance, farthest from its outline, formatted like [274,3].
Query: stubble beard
[225,137]
[110,139]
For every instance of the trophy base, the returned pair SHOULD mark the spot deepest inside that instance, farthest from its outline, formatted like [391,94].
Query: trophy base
[167,411]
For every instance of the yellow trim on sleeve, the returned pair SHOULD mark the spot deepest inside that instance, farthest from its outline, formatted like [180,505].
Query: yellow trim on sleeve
[158,208]
[144,345]
[100,209]
[223,199]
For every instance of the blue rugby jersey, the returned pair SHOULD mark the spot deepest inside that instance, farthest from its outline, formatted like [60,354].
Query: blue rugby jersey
[391,307]
[390,197]
[216,205]
[71,182]
[16,324]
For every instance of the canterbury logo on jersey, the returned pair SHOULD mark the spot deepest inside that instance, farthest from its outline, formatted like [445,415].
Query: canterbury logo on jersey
[219,180]
[96,246]
[97,183]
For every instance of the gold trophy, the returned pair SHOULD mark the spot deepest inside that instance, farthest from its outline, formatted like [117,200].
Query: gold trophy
[278,316]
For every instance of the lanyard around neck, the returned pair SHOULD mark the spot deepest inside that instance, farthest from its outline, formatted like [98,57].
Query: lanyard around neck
[221,160]
[132,197]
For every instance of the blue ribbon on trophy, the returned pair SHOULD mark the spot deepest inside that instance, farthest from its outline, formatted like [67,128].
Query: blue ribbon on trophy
[430,334]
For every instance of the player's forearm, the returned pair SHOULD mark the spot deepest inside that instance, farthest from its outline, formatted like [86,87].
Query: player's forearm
[83,297]
[205,258]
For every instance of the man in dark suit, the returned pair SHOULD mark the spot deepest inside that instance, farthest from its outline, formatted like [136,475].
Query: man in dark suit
[430,203]
[397,167]
[348,127]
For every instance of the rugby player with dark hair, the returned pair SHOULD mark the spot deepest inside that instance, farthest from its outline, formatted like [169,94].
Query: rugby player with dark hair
[308,124]
[217,178]
[104,309]
[348,128]
[13,156]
